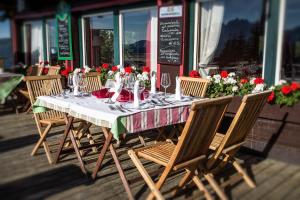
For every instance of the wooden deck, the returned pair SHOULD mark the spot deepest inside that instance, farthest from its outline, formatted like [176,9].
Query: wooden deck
[26,177]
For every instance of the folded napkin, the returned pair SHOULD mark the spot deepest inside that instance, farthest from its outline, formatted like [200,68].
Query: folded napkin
[153,83]
[136,99]
[117,90]
[178,94]
[76,82]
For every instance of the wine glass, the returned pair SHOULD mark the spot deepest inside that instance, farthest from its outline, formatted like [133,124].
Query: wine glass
[129,84]
[109,84]
[165,81]
[70,82]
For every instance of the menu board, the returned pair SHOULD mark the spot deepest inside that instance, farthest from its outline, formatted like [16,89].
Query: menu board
[170,36]
[64,38]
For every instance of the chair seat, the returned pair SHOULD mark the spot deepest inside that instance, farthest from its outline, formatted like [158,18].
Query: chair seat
[216,141]
[159,153]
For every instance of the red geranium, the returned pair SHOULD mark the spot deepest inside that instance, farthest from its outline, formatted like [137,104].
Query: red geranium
[295,86]
[105,65]
[286,89]
[45,70]
[128,70]
[244,80]
[46,63]
[146,69]
[41,62]
[66,71]
[114,68]
[224,74]
[271,98]
[98,69]
[194,74]
[258,81]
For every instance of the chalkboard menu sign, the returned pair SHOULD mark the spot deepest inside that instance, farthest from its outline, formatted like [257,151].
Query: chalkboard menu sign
[64,37]
[170,35]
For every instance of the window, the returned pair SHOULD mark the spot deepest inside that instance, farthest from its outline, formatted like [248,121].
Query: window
[51,42]
[231,35]
[33,42]
[139,37]
[98,39]
[291,42]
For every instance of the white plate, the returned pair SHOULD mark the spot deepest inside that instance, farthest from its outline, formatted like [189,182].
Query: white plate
[183,99]
[142,106]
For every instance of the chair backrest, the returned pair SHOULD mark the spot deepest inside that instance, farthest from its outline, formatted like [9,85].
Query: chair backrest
[243,122]
[34,70]
[93,82]
[53,70]
[44,86]
[200,128]
[193,86]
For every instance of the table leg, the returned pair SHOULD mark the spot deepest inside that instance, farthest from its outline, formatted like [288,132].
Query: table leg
[102,153]
[63,139]
[75,146]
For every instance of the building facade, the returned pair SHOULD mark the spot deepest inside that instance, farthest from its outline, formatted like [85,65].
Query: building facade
[258,37]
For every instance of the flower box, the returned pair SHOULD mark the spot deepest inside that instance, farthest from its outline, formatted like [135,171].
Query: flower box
[276,133]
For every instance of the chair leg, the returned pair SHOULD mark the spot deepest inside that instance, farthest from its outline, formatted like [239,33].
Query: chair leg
[244,174]
[41,140]
[201,187]
[209,177]
[160,182]
[142,140]
[187,177]
[145,175]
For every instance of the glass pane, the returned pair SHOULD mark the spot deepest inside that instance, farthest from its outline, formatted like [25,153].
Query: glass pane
[51,42]
[232,35]
[99,38]
[136,38]
[33,42]
[291,45]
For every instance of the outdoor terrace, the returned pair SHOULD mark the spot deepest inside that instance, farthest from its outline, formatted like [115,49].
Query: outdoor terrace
[27,177]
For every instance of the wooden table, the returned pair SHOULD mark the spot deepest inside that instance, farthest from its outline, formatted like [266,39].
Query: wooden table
[112,123]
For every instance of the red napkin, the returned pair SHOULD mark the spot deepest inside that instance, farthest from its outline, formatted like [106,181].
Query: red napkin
[103,93]
[124,96]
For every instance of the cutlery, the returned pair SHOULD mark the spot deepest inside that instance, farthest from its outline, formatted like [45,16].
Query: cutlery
[120,109]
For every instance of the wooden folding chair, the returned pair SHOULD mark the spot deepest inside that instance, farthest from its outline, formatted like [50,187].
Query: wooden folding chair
[190,151]
[53,70]
[93,82]
[39,86]
[31,71]
[226,146]
[193,86]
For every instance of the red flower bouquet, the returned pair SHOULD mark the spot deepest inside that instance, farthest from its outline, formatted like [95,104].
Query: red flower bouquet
[224,74]
[146,69]
[128,70]
[105,65]
[194,74]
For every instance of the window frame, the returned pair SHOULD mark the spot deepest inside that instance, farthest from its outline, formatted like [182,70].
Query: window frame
[153,50]
[83,31]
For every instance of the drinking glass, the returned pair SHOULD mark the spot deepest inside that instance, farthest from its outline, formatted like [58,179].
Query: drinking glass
[109,84]
[129,84]
[165,81]
[70,82]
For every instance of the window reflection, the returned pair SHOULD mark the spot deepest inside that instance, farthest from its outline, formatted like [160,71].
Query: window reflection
[99,37]
[51,42]
[291,45]
[136,38]
[231,35]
